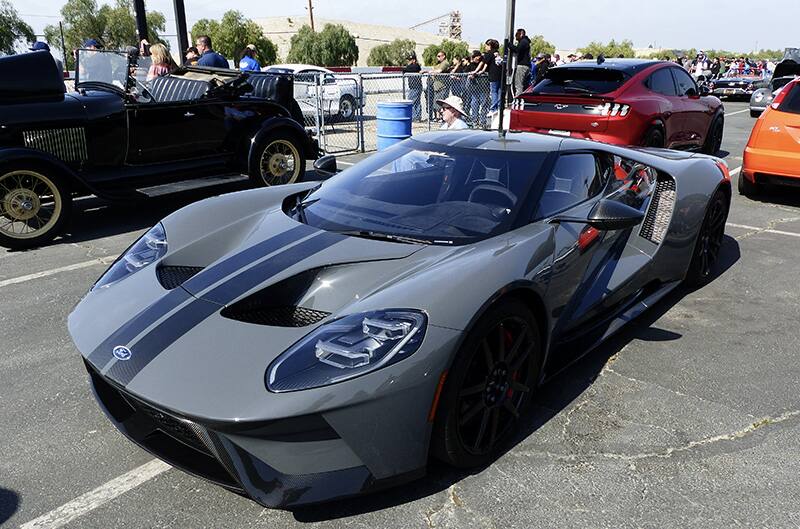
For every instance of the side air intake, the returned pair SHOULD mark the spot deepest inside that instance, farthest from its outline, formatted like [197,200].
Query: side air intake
[656,222]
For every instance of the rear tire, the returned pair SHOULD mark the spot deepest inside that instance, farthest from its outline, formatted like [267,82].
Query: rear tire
[347,108]
[278,160]
[713,141]
[709,241]
[755,113]
[746,187]
[489,386]
[35,205]
[654,137]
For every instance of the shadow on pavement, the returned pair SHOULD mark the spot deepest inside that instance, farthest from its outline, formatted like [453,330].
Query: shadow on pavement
[553,397]
[9,503]
[781,195]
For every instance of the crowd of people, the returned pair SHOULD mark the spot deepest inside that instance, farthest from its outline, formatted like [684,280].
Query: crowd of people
[719,67]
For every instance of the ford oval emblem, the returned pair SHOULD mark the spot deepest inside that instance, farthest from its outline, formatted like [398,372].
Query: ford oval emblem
[559,106]
[122,353]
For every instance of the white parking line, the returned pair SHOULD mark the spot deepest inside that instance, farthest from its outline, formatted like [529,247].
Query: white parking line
[734,172]
[99,496]
[737,112]
[37,275]
[762,230]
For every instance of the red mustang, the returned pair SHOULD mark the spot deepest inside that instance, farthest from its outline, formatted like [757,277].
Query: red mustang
[623,101]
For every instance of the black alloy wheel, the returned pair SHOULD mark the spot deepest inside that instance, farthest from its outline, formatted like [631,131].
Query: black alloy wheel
[654,137]
[709,241]
[489,386]
[714,138]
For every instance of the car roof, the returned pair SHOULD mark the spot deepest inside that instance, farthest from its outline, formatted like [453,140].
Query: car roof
[297,67]
[628,66]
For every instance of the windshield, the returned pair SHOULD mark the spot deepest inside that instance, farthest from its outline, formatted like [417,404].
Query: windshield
[105,67]
[580,81]
[429,192]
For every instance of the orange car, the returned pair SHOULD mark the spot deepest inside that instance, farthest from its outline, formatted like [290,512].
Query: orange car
[772,155]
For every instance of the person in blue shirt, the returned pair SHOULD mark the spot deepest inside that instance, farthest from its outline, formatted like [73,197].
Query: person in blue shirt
[208,57]
[249,62]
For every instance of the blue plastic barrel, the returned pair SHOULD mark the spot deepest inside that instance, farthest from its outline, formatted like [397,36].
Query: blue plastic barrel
[394,122]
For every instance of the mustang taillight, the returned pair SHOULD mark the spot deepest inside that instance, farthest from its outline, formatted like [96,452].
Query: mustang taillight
[610,109]
[518,104]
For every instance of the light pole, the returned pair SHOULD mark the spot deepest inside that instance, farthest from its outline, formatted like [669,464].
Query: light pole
[509,39]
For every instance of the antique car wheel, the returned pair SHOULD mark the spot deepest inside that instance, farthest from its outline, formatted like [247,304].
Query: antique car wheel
[489,386]
[347,107]
[709,241]
[33,207]
[279,161]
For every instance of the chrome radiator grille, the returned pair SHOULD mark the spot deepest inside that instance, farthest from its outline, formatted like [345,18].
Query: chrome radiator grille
[656,223]
[68,145]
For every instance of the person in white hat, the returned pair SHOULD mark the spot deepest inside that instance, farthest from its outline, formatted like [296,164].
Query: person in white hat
[248,63]
[453,113]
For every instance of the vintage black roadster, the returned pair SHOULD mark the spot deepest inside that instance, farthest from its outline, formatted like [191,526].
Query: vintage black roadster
[120,137]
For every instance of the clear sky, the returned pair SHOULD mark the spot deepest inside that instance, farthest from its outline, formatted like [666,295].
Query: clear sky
[737,25]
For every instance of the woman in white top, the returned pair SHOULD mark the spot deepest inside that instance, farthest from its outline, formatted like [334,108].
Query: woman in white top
[453,113]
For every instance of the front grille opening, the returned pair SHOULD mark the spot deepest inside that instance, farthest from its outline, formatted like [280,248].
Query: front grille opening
[197,463]
[172,277]
[278,305]
[114,402]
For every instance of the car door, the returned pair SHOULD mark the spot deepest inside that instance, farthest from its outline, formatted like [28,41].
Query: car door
[595,273]
[662,85]
[175,130]
[695,113]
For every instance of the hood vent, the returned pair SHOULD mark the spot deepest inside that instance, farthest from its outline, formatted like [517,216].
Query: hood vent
[172,277]
[279,305]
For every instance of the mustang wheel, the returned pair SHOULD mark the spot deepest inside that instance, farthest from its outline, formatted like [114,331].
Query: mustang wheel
[653,137]
[33,207]
[278,161]
[347,107]
[709,241]
[714,138]
[489,386]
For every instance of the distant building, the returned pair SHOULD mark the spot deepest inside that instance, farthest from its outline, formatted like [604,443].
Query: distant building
[281,29]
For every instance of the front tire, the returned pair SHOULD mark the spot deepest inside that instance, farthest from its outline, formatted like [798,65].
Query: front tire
[713,141]
[278,160]
[35,204]
[489,387]
[709,241]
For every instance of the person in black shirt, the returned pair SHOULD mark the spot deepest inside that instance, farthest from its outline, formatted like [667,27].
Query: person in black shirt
[414,81]
[493,61]
[478,88]
[522,53]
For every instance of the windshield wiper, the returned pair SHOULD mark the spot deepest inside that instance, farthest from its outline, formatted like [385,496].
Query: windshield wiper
[366,234]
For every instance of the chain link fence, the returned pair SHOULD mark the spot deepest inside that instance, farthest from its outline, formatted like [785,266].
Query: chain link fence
[343,109]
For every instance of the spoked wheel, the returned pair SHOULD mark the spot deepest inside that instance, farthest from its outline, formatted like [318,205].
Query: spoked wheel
[33,207]
[279,162]
[709,241]
[489,387]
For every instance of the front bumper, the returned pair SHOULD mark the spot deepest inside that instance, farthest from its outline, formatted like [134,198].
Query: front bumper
[732,92]
[232,455]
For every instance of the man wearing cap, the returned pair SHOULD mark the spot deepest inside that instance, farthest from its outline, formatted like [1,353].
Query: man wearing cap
[208,57]
[249,62]
[413,77]
[42,46]
[452,113]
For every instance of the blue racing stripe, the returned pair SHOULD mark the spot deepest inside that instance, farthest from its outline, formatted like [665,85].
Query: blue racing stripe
[173,328]
[172,299]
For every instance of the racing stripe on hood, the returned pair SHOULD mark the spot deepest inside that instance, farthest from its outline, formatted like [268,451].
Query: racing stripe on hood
[174,298]
[190,315]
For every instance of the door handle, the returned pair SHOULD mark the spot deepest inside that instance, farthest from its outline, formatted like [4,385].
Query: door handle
[188,114]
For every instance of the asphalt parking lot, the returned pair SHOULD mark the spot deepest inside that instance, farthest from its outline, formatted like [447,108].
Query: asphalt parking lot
[689,418]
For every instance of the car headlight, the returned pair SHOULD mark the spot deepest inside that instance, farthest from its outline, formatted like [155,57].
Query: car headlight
[149,248]
[347,348]
[759,97]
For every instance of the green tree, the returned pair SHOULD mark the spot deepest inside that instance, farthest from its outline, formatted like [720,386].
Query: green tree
[540,45]
[391,54]
[451,48]
[333,46]
[113,26]
[612,49]
[233,33]
[12,28]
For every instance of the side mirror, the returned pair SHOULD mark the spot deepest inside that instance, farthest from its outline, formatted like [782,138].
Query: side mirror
[325,165]
[692,93]
[611,215]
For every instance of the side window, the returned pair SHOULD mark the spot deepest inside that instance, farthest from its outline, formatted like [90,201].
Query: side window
[575,178]
[661,82]
[631,183]
[684,82]
[329,79]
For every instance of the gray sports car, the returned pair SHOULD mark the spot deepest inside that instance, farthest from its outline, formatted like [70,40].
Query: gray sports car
[318,340]
[785,71]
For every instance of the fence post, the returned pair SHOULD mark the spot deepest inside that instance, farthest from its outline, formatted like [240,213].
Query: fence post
[360,125]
